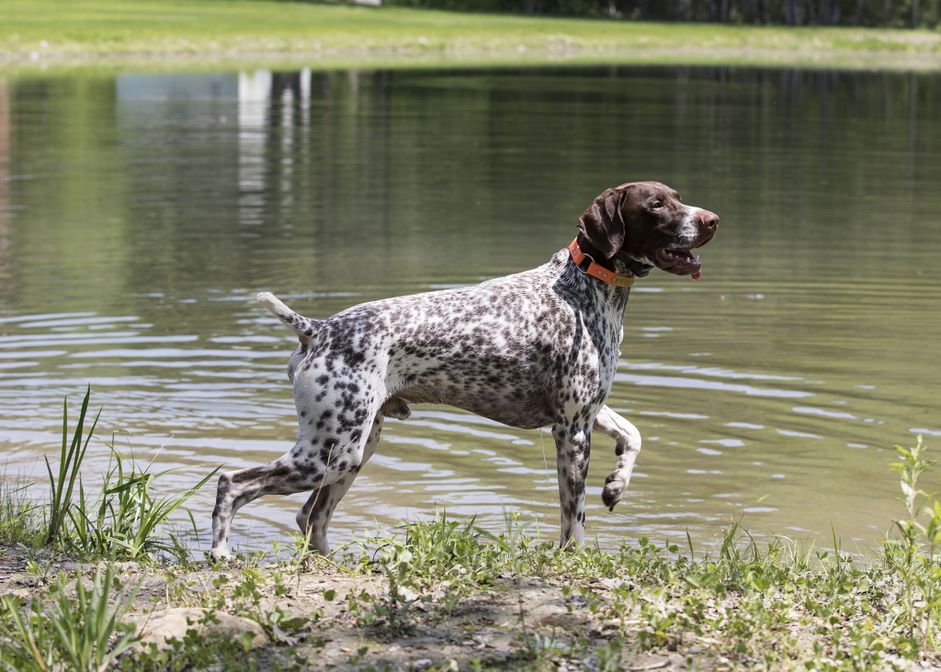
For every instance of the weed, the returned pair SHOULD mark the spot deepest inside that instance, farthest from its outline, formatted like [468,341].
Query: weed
[123,521]
[70,462]
[741,603]
[20,519]
[120,522]
[83,632]
[209,652]
[913,555]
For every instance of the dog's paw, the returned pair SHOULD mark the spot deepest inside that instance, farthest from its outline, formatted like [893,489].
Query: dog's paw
[219,554]
[613,489]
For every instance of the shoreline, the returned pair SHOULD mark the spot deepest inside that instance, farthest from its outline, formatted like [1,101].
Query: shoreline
[107,35]
[447,597]
[95,582]
[404,59]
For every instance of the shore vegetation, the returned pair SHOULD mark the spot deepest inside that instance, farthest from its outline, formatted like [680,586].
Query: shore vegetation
[200,34]
[86,590]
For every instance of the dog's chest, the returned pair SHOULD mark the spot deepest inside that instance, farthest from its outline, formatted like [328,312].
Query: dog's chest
[592,359]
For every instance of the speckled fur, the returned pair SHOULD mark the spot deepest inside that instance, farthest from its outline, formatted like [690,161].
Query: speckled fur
[534,349]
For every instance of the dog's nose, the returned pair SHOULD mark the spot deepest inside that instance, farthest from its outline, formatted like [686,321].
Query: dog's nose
[710,220]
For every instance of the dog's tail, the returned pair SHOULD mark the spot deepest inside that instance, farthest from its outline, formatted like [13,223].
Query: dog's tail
[304,327]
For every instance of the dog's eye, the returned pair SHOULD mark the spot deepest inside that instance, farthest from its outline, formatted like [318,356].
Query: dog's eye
[656,203]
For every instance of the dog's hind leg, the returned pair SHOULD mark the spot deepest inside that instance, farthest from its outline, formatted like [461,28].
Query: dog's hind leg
[314,517]
[238,488]
[626,447]
[313,462]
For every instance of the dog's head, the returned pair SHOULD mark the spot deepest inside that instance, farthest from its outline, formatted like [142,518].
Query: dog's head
[646,221]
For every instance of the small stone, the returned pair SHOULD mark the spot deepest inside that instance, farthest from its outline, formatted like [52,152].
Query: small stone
[421,664]
[161,626]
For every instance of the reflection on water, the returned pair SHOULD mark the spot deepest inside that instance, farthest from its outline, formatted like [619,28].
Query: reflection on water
[140,213]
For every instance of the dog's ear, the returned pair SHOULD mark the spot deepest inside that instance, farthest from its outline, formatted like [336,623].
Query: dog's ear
[601,223]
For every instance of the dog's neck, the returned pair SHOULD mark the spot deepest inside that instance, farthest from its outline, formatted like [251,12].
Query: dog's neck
[621,263]
[573,280]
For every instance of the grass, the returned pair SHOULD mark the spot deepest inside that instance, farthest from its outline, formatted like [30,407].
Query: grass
[443,590]
[20,521]
[70,463]
[162,34]
[448,595]
[83,631]
[770,606]
[121,522]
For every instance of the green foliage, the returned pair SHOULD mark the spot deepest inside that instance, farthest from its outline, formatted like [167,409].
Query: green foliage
[913,555]
[81,632]
[121,522]
[895,13]
[193,652]
[449,557]
[20,519]
[62,486]
[754,603]
[820,607]
[99,34]
[200,651]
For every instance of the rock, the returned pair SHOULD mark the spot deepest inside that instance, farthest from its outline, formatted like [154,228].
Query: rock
[160,626]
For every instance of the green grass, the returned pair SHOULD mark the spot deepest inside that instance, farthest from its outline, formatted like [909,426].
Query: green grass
[210,33]
[122,521]
[83,631]
[775,605]
[20,519]
[742,604]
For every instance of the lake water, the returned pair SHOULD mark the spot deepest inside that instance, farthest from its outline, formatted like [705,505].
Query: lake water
[139,214]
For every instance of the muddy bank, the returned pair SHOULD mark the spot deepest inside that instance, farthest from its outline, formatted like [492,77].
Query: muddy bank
[332,618]
[415,608]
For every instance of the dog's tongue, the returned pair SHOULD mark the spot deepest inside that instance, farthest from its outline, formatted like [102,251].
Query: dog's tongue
[696,275]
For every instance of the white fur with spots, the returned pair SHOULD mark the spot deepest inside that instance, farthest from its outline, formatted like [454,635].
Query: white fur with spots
[534,349]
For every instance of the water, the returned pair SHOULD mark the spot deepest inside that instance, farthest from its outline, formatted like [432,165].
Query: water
[139,214]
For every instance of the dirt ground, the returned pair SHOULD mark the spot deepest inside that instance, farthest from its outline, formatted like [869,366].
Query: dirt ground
[514,624]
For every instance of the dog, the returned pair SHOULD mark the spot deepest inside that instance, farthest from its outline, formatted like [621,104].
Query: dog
[534,349]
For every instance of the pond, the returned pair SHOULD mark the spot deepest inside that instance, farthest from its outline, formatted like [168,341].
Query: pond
[140,213]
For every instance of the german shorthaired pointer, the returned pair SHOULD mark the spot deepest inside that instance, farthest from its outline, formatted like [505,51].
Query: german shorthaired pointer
[529,350]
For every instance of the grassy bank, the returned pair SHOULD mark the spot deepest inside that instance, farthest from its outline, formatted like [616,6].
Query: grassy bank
[442,595]
[159,34]
[94,582]
[441,592]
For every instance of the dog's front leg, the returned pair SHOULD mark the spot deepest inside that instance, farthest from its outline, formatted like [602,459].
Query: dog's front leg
[626,447]
[573,450]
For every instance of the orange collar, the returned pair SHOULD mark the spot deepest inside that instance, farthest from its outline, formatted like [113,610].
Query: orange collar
[596,270]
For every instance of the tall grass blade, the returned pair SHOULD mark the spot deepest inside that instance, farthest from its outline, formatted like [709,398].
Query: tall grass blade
[62,487]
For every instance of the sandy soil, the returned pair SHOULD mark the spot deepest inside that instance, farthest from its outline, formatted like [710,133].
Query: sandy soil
[515,623]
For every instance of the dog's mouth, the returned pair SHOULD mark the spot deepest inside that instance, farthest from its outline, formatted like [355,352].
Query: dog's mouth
[680,261]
